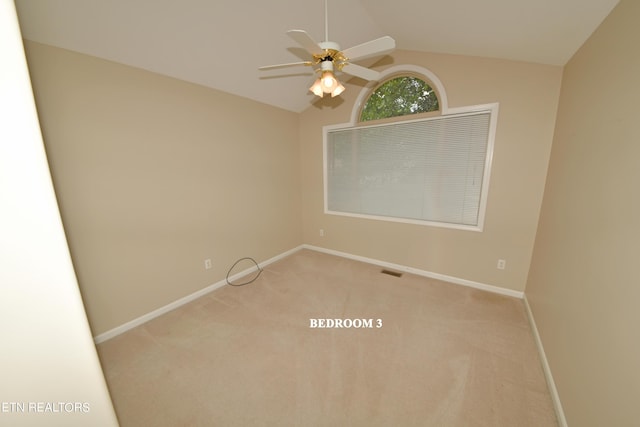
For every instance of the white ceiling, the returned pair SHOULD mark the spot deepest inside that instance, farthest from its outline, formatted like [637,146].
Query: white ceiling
[221,43]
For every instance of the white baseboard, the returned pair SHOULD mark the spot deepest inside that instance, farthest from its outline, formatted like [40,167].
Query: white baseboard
[184,300]
[424,273]
[555,397]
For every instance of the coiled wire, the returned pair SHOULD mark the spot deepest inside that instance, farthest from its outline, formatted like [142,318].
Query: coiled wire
[245,283]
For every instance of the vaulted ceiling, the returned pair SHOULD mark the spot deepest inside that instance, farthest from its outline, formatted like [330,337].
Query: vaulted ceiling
[221,43]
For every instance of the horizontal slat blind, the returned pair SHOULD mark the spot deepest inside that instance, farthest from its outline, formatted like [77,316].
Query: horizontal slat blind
[430,170]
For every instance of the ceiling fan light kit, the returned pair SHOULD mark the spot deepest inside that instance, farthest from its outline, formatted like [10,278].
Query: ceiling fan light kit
[327,82]
[330,58]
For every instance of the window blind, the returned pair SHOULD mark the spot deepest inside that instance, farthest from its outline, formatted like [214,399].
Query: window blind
[424,170]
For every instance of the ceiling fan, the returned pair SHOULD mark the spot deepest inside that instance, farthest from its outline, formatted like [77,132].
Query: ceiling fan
[327,58]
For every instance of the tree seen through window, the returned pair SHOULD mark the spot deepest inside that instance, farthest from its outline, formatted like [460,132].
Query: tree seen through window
[400,96]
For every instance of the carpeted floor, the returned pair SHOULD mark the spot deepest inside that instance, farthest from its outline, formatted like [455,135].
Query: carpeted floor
[446,355]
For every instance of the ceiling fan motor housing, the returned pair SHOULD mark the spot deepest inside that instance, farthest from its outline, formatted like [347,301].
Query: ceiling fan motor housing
[329,46]
[330,56]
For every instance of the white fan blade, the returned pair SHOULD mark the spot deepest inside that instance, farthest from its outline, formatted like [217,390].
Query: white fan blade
[305,40]
[290,64]
[362,72]
[371,48]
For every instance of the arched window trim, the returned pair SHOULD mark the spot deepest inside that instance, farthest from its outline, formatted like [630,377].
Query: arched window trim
[395,71]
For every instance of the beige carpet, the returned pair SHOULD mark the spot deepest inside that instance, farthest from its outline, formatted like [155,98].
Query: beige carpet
[446,355]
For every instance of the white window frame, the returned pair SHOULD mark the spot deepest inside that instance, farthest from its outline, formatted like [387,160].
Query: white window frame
[446,111]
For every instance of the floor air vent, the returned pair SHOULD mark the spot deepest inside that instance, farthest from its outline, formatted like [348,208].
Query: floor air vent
[391,273]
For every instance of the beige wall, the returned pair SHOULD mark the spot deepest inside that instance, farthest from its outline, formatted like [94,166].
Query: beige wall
[584,285]
[154,175]
[46,351]
[528,96]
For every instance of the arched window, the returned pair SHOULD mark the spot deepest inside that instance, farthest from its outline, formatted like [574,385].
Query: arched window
[406,156]
[400,96]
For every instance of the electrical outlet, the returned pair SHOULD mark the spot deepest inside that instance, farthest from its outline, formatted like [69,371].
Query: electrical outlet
[207,264]
[321,232]
[502,264]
